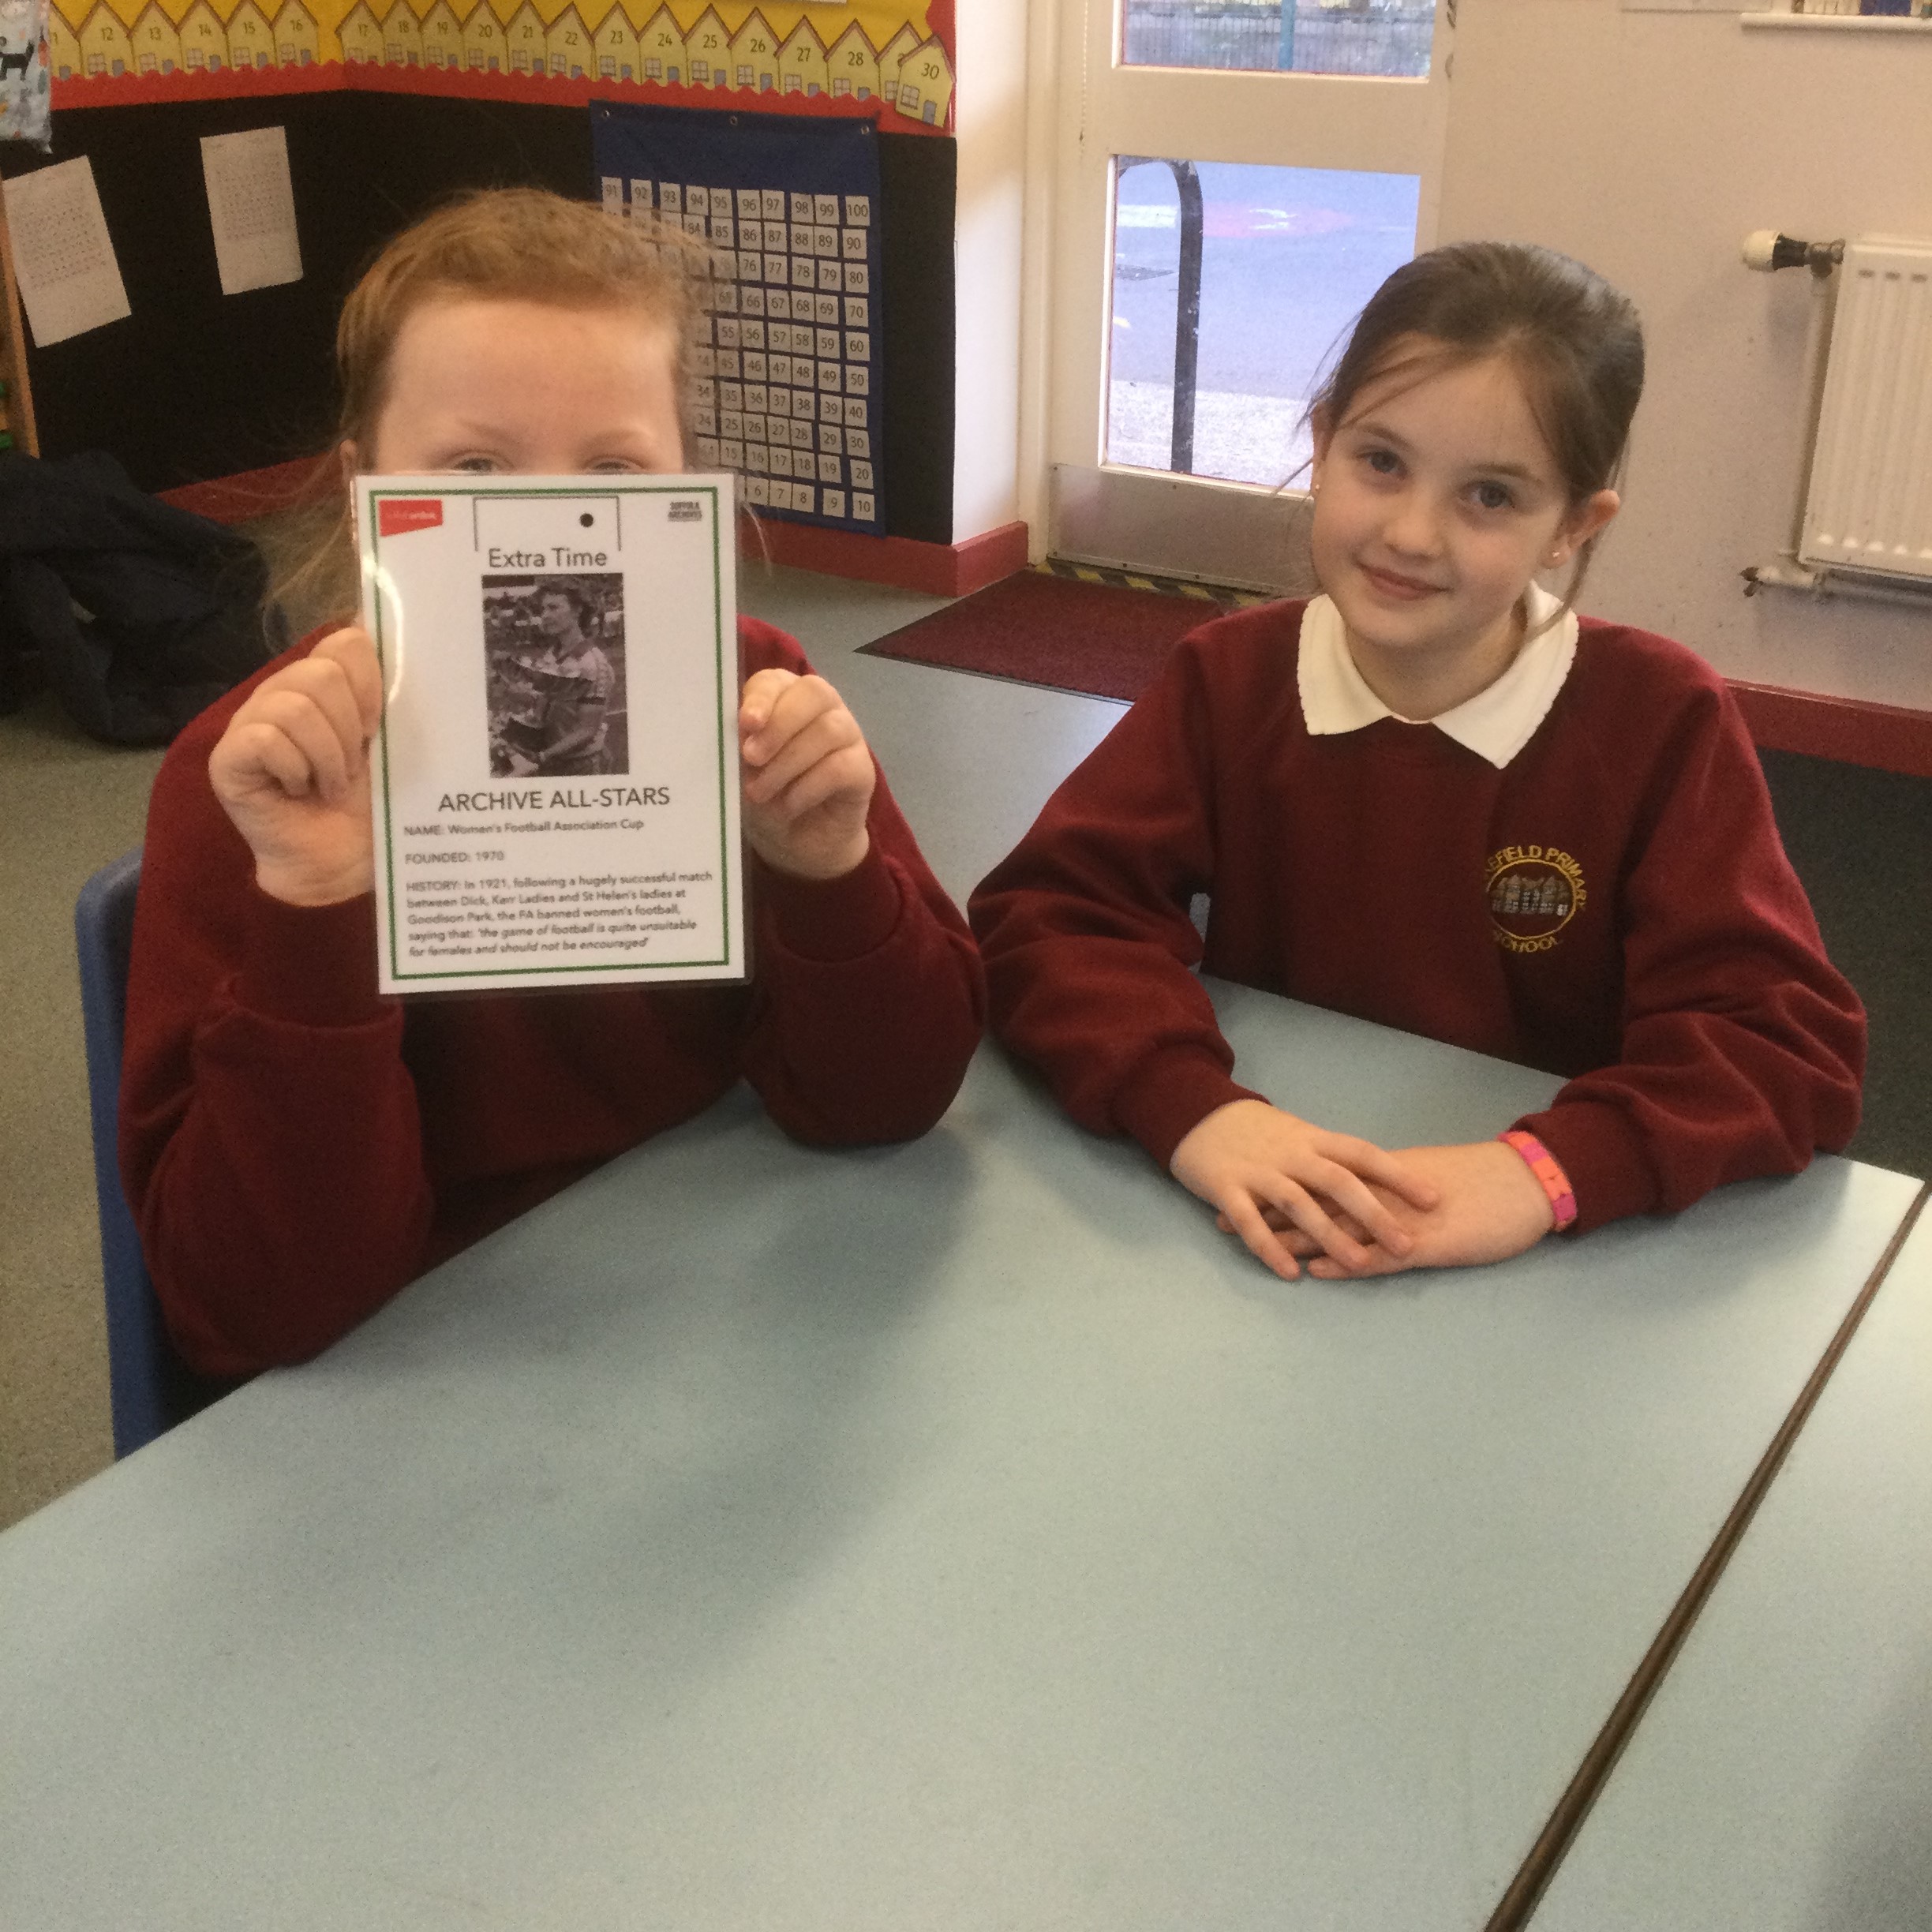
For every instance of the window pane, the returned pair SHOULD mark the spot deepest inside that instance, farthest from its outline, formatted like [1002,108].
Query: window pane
[1389,37]
[1288,257]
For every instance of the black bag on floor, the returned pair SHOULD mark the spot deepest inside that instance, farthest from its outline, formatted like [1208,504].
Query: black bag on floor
[136,614]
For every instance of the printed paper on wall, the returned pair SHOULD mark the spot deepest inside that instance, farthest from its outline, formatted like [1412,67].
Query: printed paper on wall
[252,206]
[64,259]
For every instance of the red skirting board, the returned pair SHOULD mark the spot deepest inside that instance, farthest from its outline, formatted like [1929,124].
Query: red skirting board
[1885,737]
[940,570]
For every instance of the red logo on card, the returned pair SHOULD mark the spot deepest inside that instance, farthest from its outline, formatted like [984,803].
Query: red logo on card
[394,514]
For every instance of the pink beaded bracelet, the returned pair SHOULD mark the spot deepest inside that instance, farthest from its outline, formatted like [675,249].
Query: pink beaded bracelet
[1548,1170]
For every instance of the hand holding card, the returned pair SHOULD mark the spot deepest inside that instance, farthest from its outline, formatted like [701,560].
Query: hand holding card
[808,776]
[292,771]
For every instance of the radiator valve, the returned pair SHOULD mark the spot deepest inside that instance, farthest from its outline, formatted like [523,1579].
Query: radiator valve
[1766,248]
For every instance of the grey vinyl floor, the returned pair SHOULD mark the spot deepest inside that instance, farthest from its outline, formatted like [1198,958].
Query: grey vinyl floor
[1862,841]
[67,806]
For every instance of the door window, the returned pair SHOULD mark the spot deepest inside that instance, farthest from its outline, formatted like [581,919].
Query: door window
[1286,258]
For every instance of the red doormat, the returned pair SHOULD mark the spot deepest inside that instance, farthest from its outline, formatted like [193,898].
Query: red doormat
[1070,634]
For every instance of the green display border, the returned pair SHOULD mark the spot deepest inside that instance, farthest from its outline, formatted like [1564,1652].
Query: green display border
[596,486]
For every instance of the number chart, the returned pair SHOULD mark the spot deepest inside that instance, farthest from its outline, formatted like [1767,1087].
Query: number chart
[787,394]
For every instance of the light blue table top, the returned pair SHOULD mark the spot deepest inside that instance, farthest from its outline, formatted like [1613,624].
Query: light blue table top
[958,1535]
[1781,1780]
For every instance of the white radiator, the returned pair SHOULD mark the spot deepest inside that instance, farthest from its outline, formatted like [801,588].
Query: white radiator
[1868,504]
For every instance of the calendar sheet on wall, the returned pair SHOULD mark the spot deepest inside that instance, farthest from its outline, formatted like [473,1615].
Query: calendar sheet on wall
[788,389]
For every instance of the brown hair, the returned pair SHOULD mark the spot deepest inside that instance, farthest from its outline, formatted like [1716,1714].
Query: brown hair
[1575,341]
[504,245]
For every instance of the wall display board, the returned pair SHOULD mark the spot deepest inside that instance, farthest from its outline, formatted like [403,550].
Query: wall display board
[893,59]
[789,393]
[198,385]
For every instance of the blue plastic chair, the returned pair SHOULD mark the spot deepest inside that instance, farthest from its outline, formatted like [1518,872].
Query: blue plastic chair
[151,1388]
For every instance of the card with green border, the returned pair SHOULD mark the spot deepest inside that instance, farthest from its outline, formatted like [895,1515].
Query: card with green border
[556,777]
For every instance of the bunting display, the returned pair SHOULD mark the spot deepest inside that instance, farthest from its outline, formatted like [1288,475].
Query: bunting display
[891,60]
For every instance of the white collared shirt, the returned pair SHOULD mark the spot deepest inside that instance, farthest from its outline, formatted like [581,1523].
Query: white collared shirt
[1496,724]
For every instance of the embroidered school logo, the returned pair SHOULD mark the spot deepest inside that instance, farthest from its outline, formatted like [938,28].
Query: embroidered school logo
[1533,891]
[394,514]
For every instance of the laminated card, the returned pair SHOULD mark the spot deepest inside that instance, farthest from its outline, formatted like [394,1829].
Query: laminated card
[555,779]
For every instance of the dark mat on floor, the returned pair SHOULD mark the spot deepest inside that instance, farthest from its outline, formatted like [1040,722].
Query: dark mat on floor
[1862,842]
[1037,628]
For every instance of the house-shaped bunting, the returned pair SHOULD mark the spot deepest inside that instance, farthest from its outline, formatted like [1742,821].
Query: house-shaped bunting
[157,46]
[251,42]
[204,40]
[105,48]
[802,61]
[524,37]
[63,47]
[926,84]
[614,46]
[754,56]
[707,52]
[660,51]
[568,45]
[483,40]
[851,67]
[361,34]
[402,35]
[813,51]
[442,36]
[298,36]
[895,51]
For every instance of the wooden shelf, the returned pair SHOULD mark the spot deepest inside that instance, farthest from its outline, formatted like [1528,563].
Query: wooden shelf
[18,407]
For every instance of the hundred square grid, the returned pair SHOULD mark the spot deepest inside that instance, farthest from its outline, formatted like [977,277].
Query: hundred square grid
[786,392]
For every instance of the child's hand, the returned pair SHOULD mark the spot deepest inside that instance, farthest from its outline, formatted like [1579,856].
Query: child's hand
[808,776]
[1268,1172]
[292,771]
[1492,1207]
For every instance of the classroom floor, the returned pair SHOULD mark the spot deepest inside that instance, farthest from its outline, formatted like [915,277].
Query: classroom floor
[1862,841]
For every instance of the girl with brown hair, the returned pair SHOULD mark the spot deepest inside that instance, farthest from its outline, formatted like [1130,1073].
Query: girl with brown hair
[1434,797]
[297,1148]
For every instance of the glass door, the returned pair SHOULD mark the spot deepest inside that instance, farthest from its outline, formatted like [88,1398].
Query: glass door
[1232,178]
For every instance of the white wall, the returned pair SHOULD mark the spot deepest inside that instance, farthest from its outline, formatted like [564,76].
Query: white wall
[1647,144]
[990,127]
